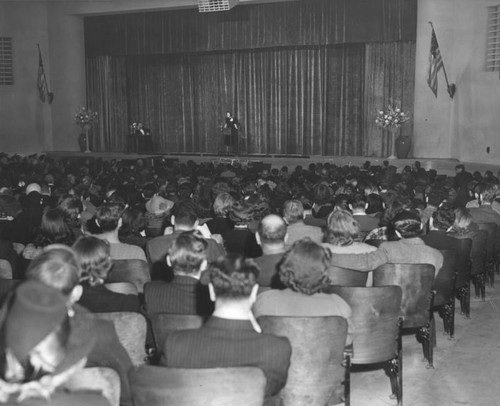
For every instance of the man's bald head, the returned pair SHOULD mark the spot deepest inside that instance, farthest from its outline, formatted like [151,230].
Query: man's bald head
[272,230]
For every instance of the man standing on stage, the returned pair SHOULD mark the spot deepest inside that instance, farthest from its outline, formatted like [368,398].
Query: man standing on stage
[232,141]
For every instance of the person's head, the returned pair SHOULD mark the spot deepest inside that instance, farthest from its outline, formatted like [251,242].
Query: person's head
[40,341]
[303,267]
[72,208]
[222,204]
[459,168]
[342,229]
[233,278]
[436,196]
[443,218]
[375,204]
[57,267]
[109,216]
[322,194]
[358,203]
[229,114]
[93,255]
[463,219]
[293,211]
[271,231]
[487,192]
[188,254]
[53,225]
[242,212]
[184,216]
[407,224]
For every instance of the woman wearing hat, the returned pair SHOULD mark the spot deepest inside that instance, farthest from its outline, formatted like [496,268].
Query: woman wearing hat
[42,345]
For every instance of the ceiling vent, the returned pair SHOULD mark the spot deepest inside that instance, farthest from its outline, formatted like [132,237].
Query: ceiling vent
[208,6]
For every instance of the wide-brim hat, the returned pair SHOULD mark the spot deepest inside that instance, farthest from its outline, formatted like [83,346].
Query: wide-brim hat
[33,312]
[159,205]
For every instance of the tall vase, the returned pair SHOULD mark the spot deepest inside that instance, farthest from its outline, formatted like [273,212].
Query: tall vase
[393,131]
[86,128]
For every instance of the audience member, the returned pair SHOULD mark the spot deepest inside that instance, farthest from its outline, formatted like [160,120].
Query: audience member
[294,214]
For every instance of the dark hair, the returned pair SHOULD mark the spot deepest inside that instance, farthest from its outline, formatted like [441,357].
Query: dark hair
[233,276]
[185,214]
[375,203]
[322,194]
[53,227]
[108,215]
[444,217]
[408,224]
[187,252]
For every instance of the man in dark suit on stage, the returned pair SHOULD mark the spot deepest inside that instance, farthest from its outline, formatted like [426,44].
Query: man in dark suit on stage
[140,138]
[231,337]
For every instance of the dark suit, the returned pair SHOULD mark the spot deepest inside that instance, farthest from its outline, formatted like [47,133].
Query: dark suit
[183,295]
[98,299]
[442,241]
[268,275]
[230,343]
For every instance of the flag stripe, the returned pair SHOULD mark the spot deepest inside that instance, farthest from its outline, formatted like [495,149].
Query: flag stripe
[41,82]
[435,64]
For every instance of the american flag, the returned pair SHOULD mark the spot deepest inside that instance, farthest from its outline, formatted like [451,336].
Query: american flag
[435,63]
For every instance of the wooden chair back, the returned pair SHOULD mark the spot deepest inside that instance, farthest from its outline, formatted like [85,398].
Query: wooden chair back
[416,282]
[5,269]
[135,271]
[463,261]
[444,283]
[161,386]
[491,230]
[131,329]
[346,277]
[98,379]
[125,288]
[164,323]
[479,252]
[316,371]
[376,312]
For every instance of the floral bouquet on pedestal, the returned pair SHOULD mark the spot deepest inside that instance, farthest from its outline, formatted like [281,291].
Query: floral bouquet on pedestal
[391,119]
[85,118]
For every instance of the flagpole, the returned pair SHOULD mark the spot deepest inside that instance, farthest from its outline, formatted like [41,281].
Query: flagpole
[451,88]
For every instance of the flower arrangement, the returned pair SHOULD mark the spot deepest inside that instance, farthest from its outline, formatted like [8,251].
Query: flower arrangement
[85,117]
[393,117]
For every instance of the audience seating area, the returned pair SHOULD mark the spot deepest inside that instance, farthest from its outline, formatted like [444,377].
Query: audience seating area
[387,299]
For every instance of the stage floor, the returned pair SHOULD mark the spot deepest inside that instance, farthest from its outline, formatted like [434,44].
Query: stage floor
[442,166]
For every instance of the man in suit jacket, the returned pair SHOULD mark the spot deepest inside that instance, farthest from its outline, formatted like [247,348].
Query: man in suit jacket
[271,236]
[231,337]
[185,294]
[183,219]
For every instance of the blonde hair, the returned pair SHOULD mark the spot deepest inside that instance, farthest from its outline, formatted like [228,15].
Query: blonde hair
[343,228]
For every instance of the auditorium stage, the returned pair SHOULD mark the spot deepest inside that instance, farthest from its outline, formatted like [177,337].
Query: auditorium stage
[442,166]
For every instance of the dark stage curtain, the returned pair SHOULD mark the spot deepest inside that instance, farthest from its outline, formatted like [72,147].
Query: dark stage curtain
[303,77]
[312,101]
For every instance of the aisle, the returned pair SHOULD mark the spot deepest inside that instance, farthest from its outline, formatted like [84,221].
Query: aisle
[466,369]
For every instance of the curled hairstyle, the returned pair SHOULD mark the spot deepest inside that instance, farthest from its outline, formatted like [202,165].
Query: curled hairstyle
[57,266]
[93,255]
[408,224]
[342,229]
[444,217]
[107,215]
[53,225]
[303,267]
[222,204]
[233,276]
[188,252]
[293,211]
[463,219]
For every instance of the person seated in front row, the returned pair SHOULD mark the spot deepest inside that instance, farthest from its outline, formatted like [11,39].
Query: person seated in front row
[231,337]
[184,294]
[58,268]
[42,346]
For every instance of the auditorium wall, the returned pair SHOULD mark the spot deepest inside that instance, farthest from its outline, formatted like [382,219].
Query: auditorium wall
[461,127]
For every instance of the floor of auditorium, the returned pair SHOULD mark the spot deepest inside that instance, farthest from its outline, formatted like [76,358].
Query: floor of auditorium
[466,368]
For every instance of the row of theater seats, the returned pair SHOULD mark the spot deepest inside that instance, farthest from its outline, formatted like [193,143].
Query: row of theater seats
[404,298]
